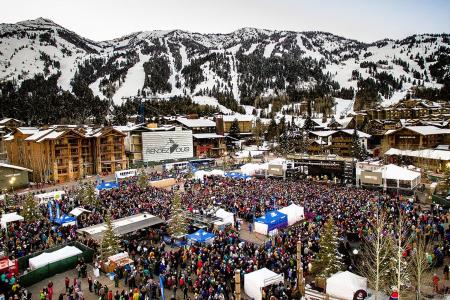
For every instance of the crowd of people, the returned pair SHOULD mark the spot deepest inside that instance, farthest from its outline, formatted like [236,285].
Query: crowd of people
[207,271]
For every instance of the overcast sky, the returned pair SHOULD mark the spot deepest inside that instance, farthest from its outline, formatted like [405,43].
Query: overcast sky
[359,19]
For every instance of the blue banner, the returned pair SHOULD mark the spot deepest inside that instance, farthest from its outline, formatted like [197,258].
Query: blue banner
[57,210]
[50,211]
[161,285]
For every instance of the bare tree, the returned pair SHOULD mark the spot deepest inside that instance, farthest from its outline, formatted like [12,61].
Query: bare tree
[374,263]
[419,265]
[400,265]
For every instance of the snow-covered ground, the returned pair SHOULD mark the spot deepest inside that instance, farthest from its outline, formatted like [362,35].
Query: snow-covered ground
[134,80]
[206,100]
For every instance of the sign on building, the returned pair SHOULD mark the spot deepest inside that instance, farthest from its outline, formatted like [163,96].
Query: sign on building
[165,145]
[369,177]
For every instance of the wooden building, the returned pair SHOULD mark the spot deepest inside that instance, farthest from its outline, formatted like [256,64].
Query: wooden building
[66,153]
[223,124]
[416,137]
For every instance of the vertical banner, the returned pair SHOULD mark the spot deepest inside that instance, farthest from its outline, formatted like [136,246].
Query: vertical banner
[57,210]
[161,285]
[50,210]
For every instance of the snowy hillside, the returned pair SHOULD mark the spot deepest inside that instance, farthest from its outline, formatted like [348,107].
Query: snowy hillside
[243,64]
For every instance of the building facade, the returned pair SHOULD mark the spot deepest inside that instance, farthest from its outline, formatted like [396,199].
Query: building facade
[62,154]
[416,137]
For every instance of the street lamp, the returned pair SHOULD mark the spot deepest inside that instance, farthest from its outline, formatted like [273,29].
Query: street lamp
[11,182]
[224,159]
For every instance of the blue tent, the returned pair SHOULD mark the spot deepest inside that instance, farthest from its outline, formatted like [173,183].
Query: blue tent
[107,185]
[64,219]
[237,175]
[274,220]
[200,236]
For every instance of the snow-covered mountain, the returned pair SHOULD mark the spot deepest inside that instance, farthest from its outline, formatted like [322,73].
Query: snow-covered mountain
[245,63]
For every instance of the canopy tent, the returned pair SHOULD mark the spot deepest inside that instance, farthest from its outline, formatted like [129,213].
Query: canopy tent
[200,236]
[294,213]
[272,220]
[202,173]
[237,175]
[163,183]
[343,285]
[51,257]
[122,226]
[255,281]
[65,220]
[227,217]
[8,218]
[77,211]
[107,186]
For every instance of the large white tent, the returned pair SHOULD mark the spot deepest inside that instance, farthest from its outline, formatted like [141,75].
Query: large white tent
[343,285]
[255,281]
[294,213]
[226,216]
[11,217]
[51,257]
[202,173]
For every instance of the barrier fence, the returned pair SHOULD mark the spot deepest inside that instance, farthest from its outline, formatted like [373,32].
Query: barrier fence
[51,269]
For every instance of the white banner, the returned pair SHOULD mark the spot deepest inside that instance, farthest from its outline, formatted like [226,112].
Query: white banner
[164,145]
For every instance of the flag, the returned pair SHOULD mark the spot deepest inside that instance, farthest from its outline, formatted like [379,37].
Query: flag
[50,211]
[161,285]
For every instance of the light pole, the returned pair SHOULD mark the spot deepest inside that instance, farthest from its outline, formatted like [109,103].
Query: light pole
[224,160]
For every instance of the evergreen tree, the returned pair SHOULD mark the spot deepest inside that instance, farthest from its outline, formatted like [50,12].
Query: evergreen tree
[272,130]
[177,222]
[358,150]
[328,260]
[309,124]
[89,198]
[235,131]
[258,131]
[30,211]
[142,180]
[110,243]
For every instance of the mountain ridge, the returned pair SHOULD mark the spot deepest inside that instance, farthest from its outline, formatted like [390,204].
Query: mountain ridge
[240,66]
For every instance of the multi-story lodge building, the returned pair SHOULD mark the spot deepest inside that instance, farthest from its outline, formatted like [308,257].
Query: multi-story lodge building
[416,137]
[65,153]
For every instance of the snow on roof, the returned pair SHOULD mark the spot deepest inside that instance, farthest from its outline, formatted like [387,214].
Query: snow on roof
[424,153]
[323,133]
[39,134]
[51,136]
[239,117]
[207,136]
[196,122]
[28,130]
[360,133]
[392,171]
[6,120]
[423,130]
[14,167]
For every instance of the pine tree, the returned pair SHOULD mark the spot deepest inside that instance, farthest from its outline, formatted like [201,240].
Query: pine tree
[258,131]
[142,180]
[358,150]
[88,195]
[110,243]
[30,211]
[234,129]
[309,124]
[328,260]
[177,222]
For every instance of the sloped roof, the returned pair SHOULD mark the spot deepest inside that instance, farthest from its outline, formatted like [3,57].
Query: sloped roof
[191,123]
[423,130]
[424,153]
[239,117]
[3,165]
